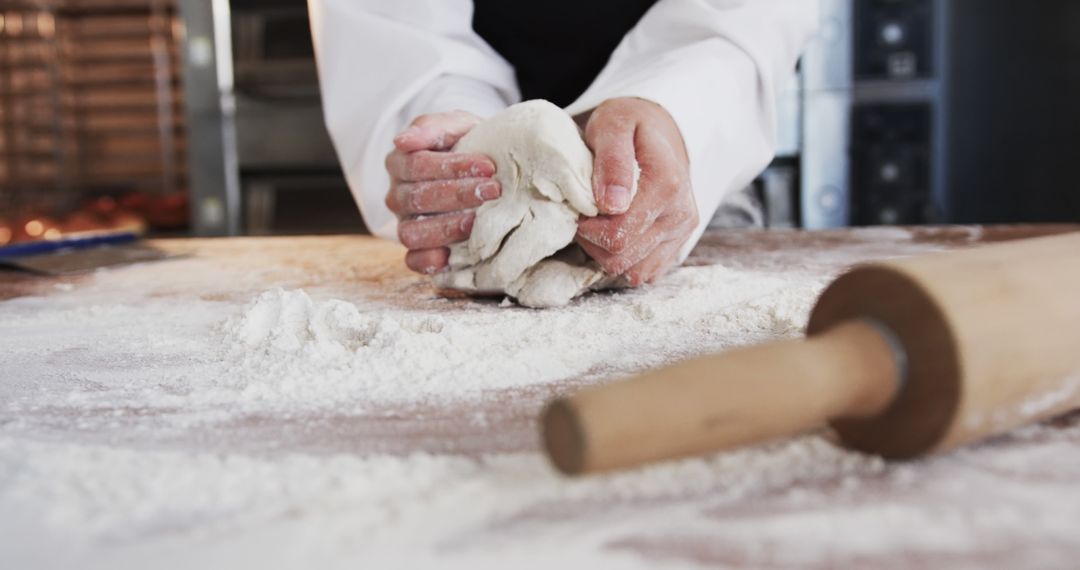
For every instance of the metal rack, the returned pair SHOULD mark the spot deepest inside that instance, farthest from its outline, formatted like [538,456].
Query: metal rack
[90,102]
[33,142]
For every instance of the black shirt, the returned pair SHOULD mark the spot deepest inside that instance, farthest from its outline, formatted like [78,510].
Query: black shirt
[557,47]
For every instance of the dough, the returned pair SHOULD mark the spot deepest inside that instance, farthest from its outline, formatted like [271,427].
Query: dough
[522,243]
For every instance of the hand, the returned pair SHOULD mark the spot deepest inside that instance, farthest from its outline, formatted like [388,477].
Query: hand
[433,191]
[638,240]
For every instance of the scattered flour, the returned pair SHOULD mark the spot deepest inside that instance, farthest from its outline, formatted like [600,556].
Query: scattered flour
[1044,403]
[127,422]
[91,494]
[286,349]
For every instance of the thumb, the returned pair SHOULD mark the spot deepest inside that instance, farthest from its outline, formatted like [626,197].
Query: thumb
[611,138]
[435,131]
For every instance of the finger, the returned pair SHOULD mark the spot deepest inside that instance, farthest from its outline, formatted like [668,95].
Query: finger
[675,225]
[616,233]
[654,265]
[610,135]
[427,165]
[435,131]
[428,261]
[619,263]
[435,231]
[661,183]
[410,198]
[607,261]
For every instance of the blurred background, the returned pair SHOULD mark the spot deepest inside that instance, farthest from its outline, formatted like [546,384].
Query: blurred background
[202,117]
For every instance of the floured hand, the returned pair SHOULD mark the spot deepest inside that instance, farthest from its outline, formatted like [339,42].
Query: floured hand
[433,191]
[637,236]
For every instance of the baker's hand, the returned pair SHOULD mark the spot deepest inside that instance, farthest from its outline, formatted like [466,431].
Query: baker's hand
[638,240]
[433,191]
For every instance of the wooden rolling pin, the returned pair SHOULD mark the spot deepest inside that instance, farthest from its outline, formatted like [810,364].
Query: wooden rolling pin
[902,358]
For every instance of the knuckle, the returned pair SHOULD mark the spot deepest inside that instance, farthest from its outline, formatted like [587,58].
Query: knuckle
[450,225]
[614,239]
[605,131]
[623,103]
[614,162]
[693,219]
[420,261]
[457,164]
[411,162]
[687,217]
[408,235]
[679,217]
[615,109]
[596,234]
[599,124]
[629,230]
[617,243]
[616,264]
[466,193]
[412,262]
[588,238]
[414,195]
[608,108]
[615,154]
[464,117]
[405,198]
[468,166]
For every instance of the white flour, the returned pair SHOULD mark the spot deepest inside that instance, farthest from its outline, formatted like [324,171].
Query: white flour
[393,502]
[284,348]
[283,430]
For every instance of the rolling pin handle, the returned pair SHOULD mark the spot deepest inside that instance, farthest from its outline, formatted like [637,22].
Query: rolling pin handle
[871,366]
[899,356]
[727,400]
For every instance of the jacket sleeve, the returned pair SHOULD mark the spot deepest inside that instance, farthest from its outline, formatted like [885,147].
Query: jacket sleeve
[716,66]
[383,62]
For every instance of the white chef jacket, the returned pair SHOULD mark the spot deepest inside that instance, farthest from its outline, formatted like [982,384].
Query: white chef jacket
[714,65]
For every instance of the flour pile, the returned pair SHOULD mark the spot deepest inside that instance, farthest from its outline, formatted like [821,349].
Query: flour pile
[285,349]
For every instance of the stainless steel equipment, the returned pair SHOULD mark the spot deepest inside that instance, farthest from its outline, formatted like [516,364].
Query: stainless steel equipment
[257,115]
[922,111]
[211,117]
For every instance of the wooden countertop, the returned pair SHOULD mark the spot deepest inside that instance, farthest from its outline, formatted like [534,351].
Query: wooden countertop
[236,269]
[299,261]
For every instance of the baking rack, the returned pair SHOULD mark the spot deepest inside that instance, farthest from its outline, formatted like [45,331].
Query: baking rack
[90,102]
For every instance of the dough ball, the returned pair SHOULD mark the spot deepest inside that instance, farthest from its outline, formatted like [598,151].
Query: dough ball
[545,171]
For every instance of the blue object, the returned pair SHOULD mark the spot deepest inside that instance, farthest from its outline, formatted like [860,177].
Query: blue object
[52,246]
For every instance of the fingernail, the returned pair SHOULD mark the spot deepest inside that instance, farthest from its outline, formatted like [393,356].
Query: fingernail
[488,191]
[467,224]
[482,169]
[407,133]
[617,199]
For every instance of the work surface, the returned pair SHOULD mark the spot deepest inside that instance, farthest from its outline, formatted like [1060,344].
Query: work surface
[307,402]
